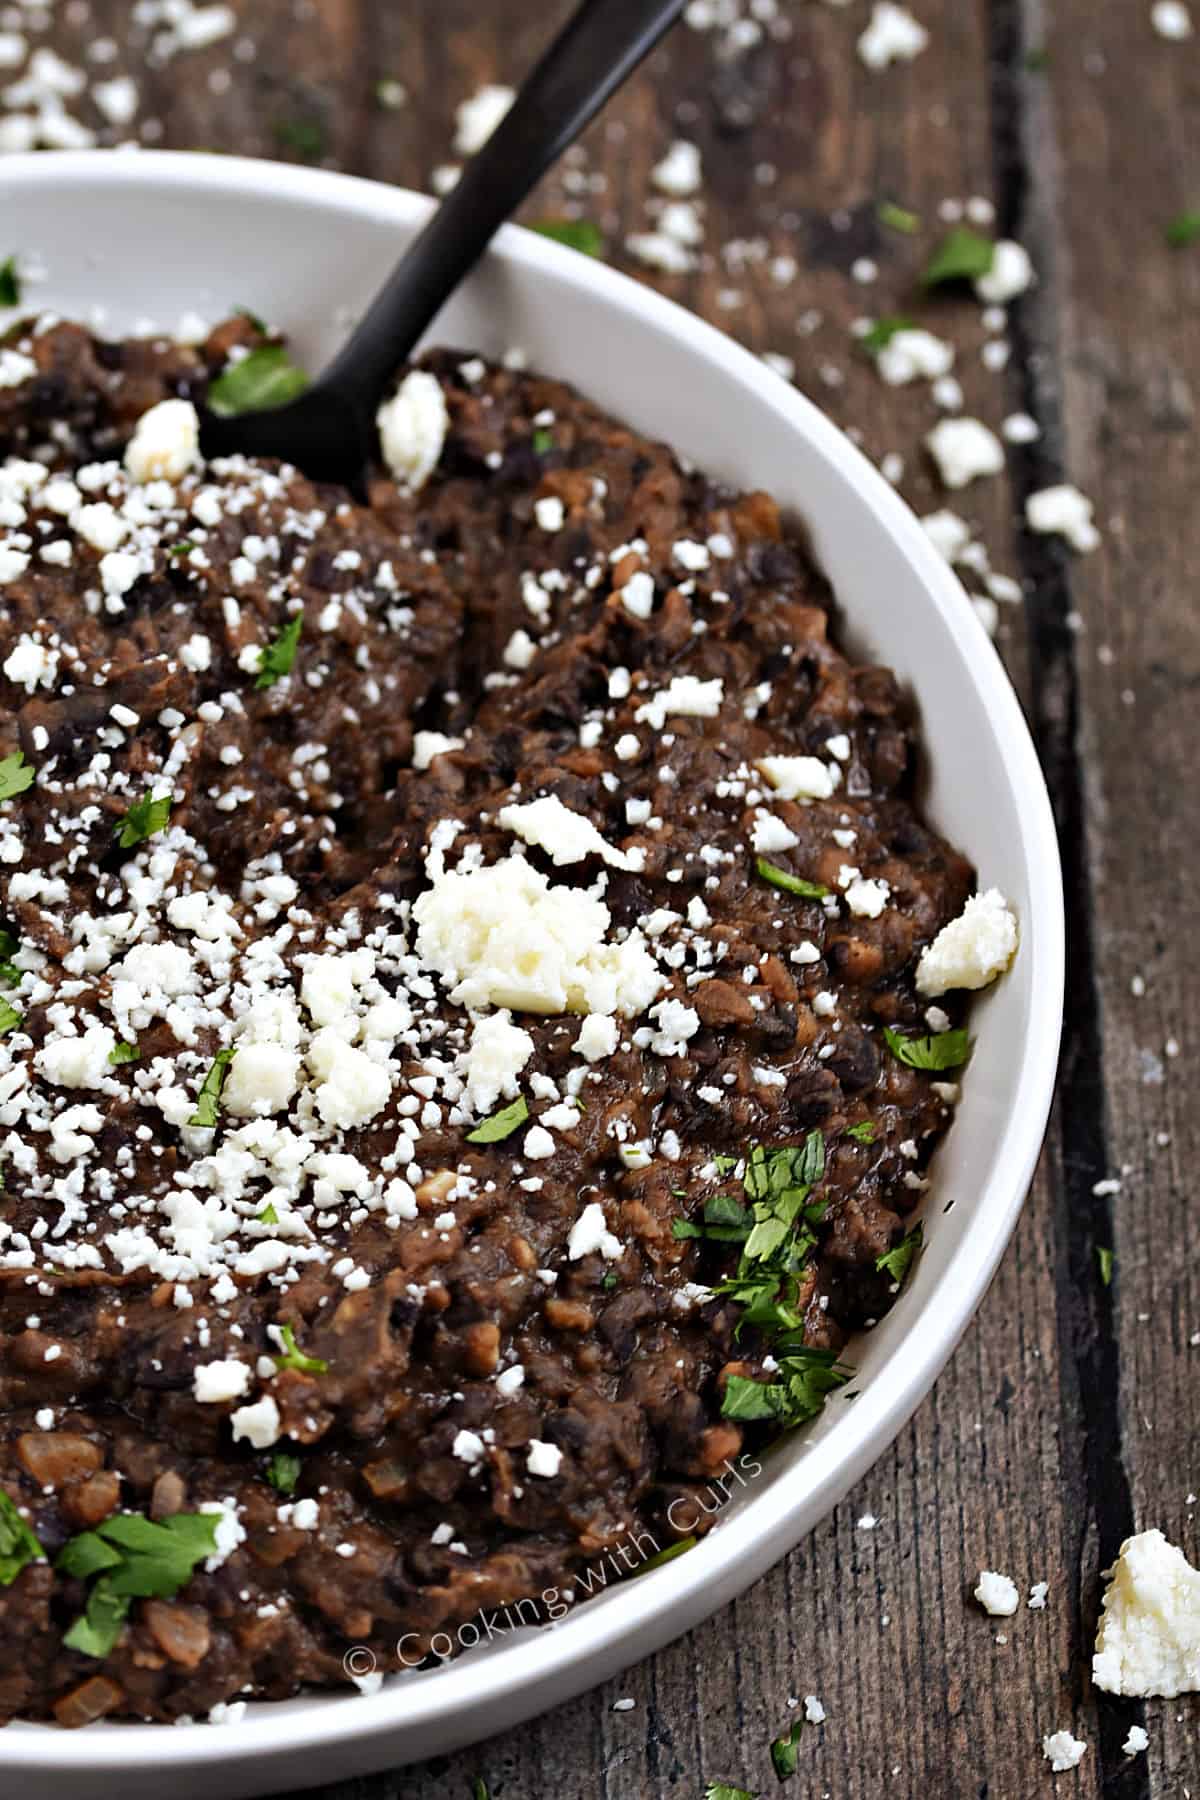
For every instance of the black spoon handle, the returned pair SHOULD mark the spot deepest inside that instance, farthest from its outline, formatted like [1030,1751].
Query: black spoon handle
[588,61]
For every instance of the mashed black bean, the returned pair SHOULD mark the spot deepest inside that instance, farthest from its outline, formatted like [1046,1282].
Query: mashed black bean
[271,756]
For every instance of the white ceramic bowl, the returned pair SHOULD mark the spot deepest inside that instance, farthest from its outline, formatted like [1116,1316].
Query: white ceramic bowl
[129,237]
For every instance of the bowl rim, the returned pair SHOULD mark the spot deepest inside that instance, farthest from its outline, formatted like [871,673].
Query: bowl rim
[664,1603]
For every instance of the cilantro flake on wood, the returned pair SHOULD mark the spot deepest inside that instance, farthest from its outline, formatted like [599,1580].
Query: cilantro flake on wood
[266,378]
[9,1017]
[144,819]
[123,1053]
[1105,1260]
[898,218]
[10,282]
[962,255]
[785,1751]
[577,234]
[1183,230]
[501,1124]
[882,332]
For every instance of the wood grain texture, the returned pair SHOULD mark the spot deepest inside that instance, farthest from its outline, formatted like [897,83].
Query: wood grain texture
[1069,1412]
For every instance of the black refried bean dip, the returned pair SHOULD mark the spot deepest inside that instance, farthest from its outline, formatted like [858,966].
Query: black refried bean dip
[471,1028]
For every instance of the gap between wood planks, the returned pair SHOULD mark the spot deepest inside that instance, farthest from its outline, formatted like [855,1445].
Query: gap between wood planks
[1093,1449]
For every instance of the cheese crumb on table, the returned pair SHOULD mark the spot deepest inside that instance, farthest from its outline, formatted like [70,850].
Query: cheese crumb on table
[893,35]
[1062,511]
[964,450]
[1148,1641]
[997,1594]
[1062,1751]
[1137,1741]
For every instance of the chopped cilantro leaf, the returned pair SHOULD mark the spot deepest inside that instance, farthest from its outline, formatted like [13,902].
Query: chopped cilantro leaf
[576,234]
[898,1261]
[725,1165]
[283,1471]
[266,378]
[208,1100]
[268,1215]
[292,1357]
[667,1555]
[882,332]
[898,218]
[145,818]
[791,884]
[946,1050]
[123,1053]
[962,255]
[784,1751]
[15,775]
[183,548]
[1105,1258]
[721,1790]
[863,1132]
[1183,230]
[502,1124]
[277,659]
[96,1630]
[18,1545]
[543,441]
[797,1393]
[610,1281]
[133,1557]
[10,282]
[479,1789]
[9,1016]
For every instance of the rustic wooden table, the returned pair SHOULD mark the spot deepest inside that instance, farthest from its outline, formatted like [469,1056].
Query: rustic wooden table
[1068,1416]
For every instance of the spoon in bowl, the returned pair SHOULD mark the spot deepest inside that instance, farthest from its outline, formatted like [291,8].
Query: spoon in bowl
[329,431]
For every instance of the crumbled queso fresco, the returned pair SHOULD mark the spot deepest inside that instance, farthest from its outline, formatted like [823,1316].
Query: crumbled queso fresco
[456,952]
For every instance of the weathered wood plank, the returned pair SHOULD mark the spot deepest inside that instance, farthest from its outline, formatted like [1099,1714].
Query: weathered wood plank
[1128,355]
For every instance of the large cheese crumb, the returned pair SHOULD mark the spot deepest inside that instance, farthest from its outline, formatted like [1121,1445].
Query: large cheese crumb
[1010,274]
[893,35]
[1064,512]
[498,1052]
[565,836]
[908,355]
[963,450]
[1062,1751]
[1149,1636]
[412,428]
[216,1381]
[165,442]
[477,118]
[590,1233]
[502,936]
[258,1424]
[997,1594]
[973,949]
[800,777]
